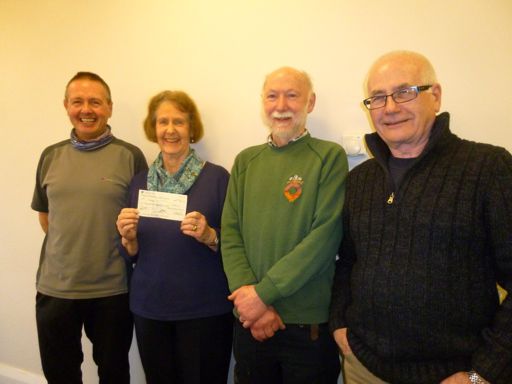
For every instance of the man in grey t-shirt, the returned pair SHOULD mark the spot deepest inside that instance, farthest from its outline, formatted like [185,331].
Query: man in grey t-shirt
[81,185]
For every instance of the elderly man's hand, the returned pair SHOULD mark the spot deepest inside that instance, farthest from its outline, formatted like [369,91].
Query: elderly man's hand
[340,336]
[248,304]
[458,378]
[267,325]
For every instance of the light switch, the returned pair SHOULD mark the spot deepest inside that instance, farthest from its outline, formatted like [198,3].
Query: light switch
[353,145]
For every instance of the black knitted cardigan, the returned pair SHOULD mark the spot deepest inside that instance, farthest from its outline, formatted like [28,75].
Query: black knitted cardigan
[416,279]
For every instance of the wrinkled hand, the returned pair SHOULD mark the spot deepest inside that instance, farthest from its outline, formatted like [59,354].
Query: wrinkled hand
[248,305]
[195,225]
[267,325]
[457,378]
[127,222]
[340,336]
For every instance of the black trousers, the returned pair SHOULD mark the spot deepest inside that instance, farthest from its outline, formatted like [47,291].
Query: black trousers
[107,323]
[196,351]
[300,354]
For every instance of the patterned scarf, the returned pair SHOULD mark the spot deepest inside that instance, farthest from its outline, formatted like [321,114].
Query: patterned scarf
[105,138]
[180,182]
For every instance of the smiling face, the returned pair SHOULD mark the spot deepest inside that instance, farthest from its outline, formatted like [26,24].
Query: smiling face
[88,108]
[287,99]
[404,127]
[173,134]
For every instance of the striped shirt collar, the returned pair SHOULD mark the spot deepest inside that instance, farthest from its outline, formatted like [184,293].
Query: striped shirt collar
[271,142]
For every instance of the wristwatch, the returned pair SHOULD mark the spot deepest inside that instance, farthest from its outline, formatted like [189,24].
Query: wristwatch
[475,378]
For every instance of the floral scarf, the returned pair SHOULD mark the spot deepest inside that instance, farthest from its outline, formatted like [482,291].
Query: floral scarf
[180,182]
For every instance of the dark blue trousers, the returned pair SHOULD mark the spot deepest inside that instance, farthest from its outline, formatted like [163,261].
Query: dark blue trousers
[108,324]
[296,355]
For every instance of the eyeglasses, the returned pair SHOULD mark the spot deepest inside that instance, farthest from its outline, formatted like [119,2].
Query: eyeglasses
[401,96]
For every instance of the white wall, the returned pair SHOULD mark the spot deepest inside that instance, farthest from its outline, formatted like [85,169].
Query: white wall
[218,51]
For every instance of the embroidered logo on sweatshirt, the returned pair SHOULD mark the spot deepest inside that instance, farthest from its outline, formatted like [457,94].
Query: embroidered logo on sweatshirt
[293,188]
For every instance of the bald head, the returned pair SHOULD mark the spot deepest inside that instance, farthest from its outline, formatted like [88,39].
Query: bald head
[413,63]
[404,125]
[300,77]
[287,98]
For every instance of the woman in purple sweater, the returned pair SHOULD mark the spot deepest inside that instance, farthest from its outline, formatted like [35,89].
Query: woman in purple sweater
[178,292]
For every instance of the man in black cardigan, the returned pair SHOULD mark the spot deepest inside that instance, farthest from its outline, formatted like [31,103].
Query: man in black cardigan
[428,234]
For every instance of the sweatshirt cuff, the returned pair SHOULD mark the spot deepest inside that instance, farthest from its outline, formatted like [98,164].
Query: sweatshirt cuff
[267,291]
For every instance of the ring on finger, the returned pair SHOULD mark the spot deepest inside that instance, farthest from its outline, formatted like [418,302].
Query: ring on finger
[194,227]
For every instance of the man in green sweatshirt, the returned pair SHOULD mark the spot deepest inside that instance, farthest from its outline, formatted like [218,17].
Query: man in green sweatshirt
[280,231]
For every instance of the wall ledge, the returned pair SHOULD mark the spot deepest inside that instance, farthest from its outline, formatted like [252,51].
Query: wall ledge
[14,375]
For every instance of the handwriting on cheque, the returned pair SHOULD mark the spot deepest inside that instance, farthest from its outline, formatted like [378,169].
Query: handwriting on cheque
[162,205]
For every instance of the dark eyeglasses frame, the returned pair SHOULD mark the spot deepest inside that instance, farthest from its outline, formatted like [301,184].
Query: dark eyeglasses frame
[417,88]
